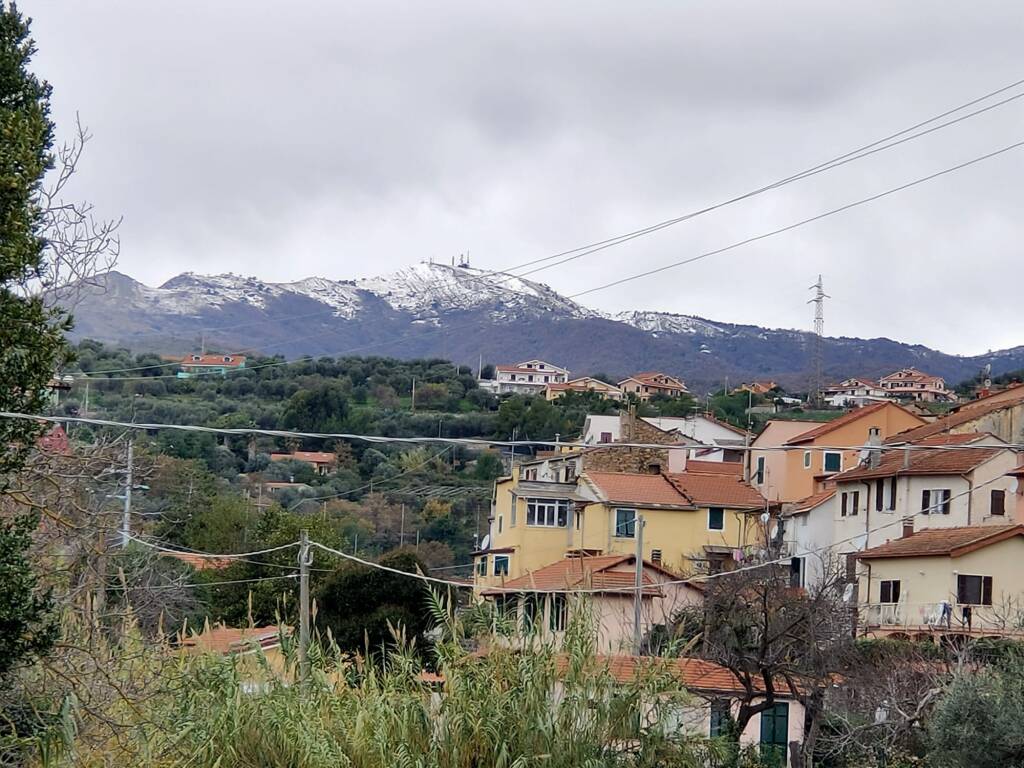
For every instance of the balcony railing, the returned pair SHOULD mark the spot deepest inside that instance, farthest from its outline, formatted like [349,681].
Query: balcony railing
[923,616]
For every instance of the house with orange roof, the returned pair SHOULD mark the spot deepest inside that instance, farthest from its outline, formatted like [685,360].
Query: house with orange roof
[945,481]
[952,581]
[696,520]
[554,391]
[757,387]
[853,392]
[323,462]
[643,386]
[203,364]
[912,384]
[599,590]
[790,462]
[530,377]
[1000,414]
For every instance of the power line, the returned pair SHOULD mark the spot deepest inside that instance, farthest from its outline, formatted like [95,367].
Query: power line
[584,250]
[484,442]
[803,222]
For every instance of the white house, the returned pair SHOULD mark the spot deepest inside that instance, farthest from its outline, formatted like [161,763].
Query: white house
[920,487]
[528,378]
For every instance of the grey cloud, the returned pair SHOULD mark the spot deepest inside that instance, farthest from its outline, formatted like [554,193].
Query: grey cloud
[348,139]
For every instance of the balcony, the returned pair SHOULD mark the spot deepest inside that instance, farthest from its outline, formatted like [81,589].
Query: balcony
[920,619]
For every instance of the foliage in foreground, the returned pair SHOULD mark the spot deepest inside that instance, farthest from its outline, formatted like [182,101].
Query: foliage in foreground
[505,708]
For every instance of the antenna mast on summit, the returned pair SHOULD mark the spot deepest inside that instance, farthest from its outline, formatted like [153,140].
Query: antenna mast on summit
[819,336]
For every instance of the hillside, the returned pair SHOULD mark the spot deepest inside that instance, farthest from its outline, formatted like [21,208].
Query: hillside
[461,313]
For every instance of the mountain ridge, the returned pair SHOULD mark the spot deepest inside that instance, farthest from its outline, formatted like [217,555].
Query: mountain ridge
[464,313]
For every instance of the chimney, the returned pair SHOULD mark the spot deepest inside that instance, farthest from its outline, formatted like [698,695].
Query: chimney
[677,459]
[906,458]
[908,529]
[874,447]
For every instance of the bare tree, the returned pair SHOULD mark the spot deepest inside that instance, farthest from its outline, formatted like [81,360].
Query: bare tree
[779,639]
[80,248]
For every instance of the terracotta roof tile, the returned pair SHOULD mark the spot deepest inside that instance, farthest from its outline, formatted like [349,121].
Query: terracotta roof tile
[715,467]
[694,674]
[962,416]
[951,542]
[201,562]
[632,488]
[598,572]
[924,462]
[847,418]
[227,640]
[810,502]
[717,490]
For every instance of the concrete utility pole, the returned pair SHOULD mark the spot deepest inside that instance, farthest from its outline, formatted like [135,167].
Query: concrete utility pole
[414,394]
[129,481]
[305,560]
[638,636]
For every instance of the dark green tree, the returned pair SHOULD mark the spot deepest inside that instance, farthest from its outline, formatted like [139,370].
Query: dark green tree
[357,602]
[31,334]
[322,409]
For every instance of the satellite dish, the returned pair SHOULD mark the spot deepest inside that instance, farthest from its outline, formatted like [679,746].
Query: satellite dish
[485,543]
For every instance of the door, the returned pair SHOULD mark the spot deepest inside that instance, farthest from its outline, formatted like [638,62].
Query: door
[775,734]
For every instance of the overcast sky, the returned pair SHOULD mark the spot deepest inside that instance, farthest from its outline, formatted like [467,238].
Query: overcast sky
[347,139]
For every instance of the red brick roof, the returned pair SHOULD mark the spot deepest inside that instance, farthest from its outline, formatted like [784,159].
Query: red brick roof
[715,467]
[228,640]
[928,462]
[633,488]
[951,542]
[810,502]
[847,418]
[201,562]
[716,490]
[215,360]
[959,418]
[584,573]
[694,674]
[313,457]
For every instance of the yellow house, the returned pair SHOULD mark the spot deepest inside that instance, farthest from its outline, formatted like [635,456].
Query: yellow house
[694,521]
[583,384]
[944,580]
[798,465]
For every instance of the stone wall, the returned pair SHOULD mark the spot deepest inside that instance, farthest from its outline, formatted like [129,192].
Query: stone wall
[644,460]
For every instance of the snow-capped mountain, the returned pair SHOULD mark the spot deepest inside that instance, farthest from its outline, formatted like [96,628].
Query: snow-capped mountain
[462,313]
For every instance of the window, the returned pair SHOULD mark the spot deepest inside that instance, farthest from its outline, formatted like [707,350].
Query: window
[606,437]
[796,572]
[501,565]
[889,591]
[759,477]
[559,615]
[515,505]
[935,501]
[807,459]
[721,714]
[775,728]
[625,523]
[833,461]
[547,513]
[879,494]
[577,516]
[531,610]
[481,566]
[656,556]
[501,522]
[998,504]
[716,519]
[848,503]
[507,606]
[892,493]
[974,590]
[569,474]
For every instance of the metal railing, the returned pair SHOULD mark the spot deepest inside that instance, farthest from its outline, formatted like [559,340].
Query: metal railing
[939,615]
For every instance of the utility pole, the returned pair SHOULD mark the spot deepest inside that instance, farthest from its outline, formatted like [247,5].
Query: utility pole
[401,530]
[414,394]
[85,405]
[819,334]
[304,563]
[638,596]
[126,516]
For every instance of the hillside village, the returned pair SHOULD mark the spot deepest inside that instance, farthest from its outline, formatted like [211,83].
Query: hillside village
[305,486]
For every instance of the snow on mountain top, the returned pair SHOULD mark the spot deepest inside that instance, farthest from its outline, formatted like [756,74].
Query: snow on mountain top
[427,289]
[667,322]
